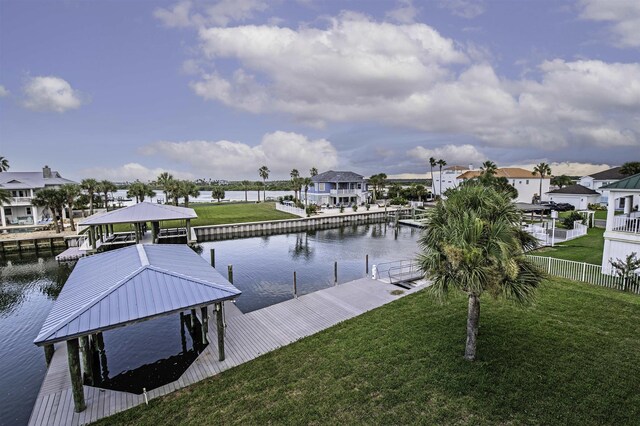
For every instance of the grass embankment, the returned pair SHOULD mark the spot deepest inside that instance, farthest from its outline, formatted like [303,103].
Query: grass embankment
[584,249]
[572,358]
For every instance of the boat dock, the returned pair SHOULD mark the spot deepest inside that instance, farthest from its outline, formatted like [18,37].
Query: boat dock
[247,336]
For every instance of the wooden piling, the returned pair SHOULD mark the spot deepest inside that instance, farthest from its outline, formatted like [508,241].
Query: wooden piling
[220,326]
[366,264]
[19,246]
[48,353]
[76,378]
[193,318]
[230,273]
[213,257]
[335,272]
[295,285]
[86,360]
[205,324]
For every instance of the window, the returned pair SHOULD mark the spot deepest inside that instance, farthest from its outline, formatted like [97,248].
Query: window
[321,187]
[527,181]
[7,211]
[28,210]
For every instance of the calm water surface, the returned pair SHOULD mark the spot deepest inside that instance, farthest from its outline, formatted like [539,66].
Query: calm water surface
[155,350]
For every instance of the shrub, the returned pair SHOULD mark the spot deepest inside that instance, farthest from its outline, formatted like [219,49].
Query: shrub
[398,201]
[355,207]
[341,209]
[574,216]
[311,209]
[367,206]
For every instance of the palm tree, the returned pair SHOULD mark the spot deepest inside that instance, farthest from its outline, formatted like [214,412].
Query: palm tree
[378,182]
[264,174]
[562,180]
[543,170]
[488,168]
[295,174]
[217,192]
[432,163]
[313,172]
[164,180]
[472,243]
[91,186]
[48,199]
[441,163]
[188,189]
[134,190]
[4,164]
[245,185]
[259,185]
[306,182]
[105,187]
[71,191]
[5,197]
[630,168]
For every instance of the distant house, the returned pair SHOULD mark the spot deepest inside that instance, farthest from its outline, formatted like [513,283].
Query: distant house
[525,182]
[622,235]
[448,177]
[596,181]
[23,186]
[335,187]
[577,195]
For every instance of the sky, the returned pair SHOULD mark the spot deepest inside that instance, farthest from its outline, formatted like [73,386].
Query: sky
[125,89]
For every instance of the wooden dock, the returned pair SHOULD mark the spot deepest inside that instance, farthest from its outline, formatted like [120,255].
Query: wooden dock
[247,336]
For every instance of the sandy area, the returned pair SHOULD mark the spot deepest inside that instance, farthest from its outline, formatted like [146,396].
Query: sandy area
[35,234]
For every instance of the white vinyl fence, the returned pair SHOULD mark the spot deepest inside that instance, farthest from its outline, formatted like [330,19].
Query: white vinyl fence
[543,233]
[585,272]
[291,209]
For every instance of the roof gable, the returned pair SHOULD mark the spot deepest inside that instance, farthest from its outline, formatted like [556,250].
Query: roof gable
[632,183]
[576,189]
[610,174]
[508,172]
[339,176]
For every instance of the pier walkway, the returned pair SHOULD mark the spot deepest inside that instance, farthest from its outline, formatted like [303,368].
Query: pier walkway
[247,336]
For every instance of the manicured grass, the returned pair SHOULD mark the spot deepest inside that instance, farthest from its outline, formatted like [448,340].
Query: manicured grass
[584,249]
[571,358]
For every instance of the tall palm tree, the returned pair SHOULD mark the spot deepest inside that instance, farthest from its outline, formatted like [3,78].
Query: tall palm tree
[91,186]
[488,168]
[188,189]
[543,170]
[4,164]
[245,185]
[295,174]
[306,182]
[313,172]
[140,191]
[264,174]
[163,180]
[105,187]
[71,191]
[48,199]
[441,163]
[472,243]
[432,163]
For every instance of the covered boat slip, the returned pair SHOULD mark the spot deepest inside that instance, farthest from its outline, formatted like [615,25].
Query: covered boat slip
[125,286]
[101,226]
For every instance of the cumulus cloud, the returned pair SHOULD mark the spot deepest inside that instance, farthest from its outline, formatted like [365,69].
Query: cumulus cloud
[461,155]
[622,17]
[3,91]
[405,13]
[50,94]
[132,171]
[280,151]
[187,13]
[464,8]
[566,168]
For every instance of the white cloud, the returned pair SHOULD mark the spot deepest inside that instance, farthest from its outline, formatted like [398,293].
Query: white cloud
[3,91]
[187,13]
[623,17]
[464,8]
[405,13]
[50,94]
[566,168]
[132,171]
[279,151]
[461,155]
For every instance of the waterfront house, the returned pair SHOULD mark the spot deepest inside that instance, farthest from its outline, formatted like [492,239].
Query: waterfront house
[525,182]
[448,178]
[622,234]
[336,187]
[23,186]
[577,195]
[596,181]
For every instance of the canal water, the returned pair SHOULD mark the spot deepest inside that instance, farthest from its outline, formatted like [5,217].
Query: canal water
[263,269]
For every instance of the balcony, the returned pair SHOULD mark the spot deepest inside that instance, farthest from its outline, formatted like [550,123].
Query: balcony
[21,200]
[345,191]
[626,224]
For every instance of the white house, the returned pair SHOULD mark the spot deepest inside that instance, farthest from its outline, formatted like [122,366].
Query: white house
[525,182]
[449,178]
[596,181]
[577,195]
[622,235]
[338,187]
[23,186]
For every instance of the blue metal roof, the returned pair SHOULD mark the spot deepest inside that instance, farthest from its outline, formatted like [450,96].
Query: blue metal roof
[141,212]
[122,286]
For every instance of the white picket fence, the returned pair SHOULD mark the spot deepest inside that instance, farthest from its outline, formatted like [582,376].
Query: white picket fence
[585,272]
[291,209]
[543,234]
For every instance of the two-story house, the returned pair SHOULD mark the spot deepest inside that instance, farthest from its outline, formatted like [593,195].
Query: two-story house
[525,182]
[596,181]
[335,187]
[23,186]
[447,179]
[622,235]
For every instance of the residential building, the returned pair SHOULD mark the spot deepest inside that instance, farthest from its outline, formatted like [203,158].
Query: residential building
[596,181]
[23,186]
[448,178]
[622,234]
[525,182]
[338,187]
[577,195]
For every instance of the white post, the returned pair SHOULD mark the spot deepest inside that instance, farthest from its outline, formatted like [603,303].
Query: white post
[3,217]
[611,210]
[34,213]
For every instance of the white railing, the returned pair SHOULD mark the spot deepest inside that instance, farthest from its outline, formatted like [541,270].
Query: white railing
[22,199]
[585,272]
[579,230]
[626,224]
[291,209]
[344,191]
[543,234]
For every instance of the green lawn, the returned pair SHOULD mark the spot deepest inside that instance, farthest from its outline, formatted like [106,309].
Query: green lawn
[571,358]
[584,249]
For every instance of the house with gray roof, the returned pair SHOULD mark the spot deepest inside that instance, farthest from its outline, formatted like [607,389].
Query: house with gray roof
[596,181]
[338,188]
[23,187]
[577,195]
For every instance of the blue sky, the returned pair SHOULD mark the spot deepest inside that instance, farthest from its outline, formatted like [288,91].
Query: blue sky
[214,89]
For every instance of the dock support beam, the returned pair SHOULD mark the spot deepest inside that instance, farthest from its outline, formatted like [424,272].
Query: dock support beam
[230,273]
[76,379]
[193,319]
[205,324]
[48,353]
[220,324]
[86,360]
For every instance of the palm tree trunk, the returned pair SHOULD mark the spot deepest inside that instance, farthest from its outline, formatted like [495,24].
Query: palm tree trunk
[73,226]
[106,202]
[186,201]
[258,194]
[473,320]
[540,194]
[264,191]
[440,177]
[432,188]
[90,203]
[166,200]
